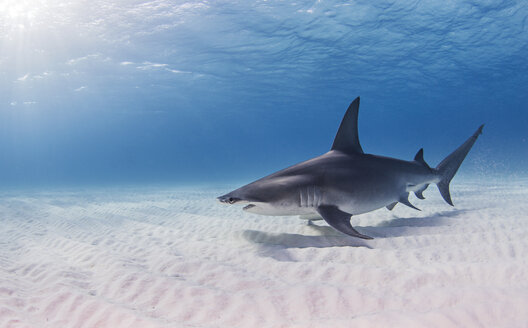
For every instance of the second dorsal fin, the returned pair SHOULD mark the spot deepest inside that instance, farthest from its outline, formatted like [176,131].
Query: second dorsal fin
[419,158]
[347,139]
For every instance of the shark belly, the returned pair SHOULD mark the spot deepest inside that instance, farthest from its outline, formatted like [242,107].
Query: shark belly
[274,210]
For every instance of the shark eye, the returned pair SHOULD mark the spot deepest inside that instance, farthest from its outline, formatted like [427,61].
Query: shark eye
[231,200]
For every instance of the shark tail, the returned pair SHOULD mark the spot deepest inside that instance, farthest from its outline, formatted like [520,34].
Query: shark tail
[449,166]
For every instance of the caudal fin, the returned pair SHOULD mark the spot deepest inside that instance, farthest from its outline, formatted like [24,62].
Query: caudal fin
[449,166]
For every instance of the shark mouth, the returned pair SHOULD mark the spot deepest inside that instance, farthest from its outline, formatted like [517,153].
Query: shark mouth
[247,207]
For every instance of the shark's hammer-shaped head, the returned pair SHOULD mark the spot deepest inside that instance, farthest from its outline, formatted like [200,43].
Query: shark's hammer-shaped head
[232,198]
[259,197]
[229,199]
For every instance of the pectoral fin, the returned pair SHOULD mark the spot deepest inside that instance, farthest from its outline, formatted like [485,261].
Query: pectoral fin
[339,220]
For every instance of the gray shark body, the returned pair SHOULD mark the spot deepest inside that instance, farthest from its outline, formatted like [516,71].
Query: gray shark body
[345,181]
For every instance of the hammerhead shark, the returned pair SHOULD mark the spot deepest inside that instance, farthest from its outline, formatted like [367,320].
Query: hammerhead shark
[345,181]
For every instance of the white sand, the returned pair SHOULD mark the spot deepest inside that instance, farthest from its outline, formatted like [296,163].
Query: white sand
[175,258]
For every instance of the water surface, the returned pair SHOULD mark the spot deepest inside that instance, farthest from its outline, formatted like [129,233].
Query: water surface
[186,92]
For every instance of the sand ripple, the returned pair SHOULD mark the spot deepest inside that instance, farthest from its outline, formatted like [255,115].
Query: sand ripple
[175,258]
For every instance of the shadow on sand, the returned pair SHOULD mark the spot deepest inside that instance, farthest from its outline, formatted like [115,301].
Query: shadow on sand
[328,237]
[405,226]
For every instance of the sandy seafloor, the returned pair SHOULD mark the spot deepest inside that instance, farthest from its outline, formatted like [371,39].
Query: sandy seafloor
[173,257]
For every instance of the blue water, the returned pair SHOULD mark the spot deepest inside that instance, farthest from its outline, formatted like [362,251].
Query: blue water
[182,92]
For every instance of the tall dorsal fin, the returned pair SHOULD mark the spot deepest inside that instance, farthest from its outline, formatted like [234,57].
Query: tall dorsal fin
[347,139]
[419,158]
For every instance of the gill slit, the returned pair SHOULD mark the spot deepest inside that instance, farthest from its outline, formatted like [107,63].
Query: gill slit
[310,197]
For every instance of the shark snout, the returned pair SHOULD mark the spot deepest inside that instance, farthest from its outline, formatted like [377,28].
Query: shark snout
[227,199]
